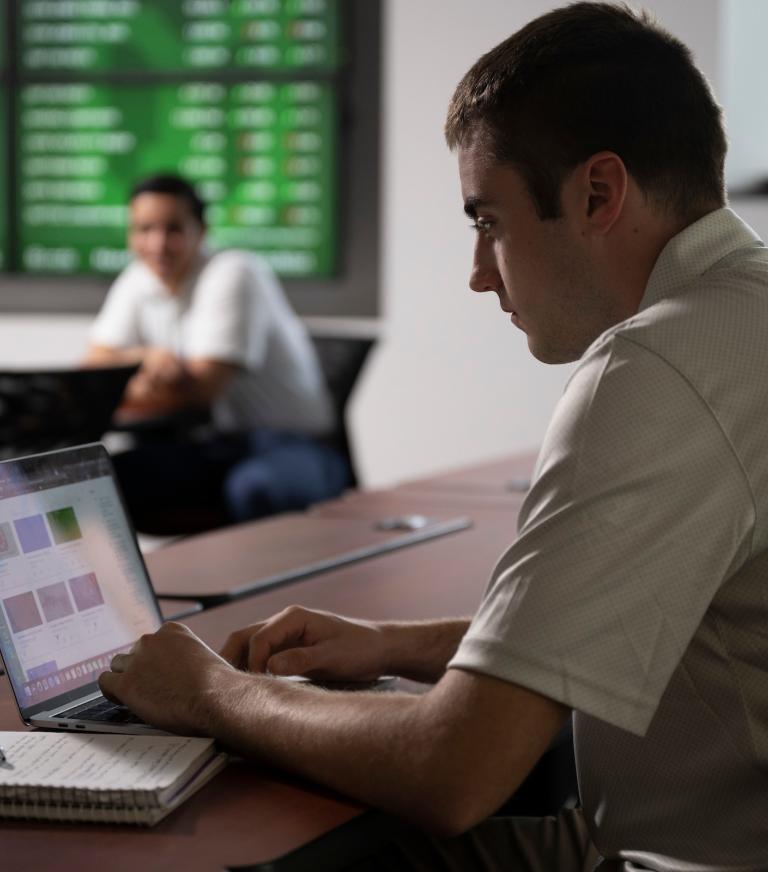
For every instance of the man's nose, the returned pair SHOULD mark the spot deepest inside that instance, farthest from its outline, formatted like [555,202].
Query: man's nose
[158,240]
[484,275]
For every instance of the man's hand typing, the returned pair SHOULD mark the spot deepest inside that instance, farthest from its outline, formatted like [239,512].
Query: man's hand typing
[172,680]
[318,645]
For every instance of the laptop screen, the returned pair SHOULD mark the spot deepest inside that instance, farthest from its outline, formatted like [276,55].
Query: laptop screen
[74,590]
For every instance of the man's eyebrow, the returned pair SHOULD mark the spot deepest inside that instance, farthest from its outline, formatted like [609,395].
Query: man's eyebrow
[474,204]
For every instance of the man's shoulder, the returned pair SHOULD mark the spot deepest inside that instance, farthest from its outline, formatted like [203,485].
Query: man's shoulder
[137,280]
[714,313]
[704,343]
[234,261]
[235,272]
[646,332]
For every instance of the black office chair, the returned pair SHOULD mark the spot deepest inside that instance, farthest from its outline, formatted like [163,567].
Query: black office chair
[45,409]
[341,360]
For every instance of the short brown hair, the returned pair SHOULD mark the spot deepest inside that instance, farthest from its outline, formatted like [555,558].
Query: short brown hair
[591,77]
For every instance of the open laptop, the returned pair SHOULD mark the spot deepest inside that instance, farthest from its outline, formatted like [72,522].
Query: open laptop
[41,410]
[74,590]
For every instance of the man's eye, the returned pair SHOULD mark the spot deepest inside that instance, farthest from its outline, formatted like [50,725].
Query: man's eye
[481,225]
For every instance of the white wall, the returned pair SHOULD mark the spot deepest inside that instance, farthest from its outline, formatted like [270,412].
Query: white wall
[41,340]
[453,381]
[744,86]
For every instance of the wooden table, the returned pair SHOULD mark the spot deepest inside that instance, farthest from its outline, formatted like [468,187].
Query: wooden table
[442,578]
[249,814]
[239,561]
[430,502]
[494,478]
[245,815]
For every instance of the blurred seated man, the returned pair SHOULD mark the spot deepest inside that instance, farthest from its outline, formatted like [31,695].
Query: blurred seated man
[212,331]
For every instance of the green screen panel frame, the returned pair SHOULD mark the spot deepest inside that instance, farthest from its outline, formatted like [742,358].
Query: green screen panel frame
[352,290]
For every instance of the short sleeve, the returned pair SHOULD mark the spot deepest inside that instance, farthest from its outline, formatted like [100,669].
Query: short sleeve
[226,322]
[639,511]
[118,323]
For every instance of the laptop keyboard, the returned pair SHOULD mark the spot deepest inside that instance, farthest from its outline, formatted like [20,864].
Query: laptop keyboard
[105,711]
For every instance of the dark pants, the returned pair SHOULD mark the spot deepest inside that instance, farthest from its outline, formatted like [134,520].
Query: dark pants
[190,485]
[375,842]
[525,844]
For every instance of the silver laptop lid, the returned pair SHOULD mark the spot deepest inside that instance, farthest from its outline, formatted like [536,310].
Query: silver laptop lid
[74,590]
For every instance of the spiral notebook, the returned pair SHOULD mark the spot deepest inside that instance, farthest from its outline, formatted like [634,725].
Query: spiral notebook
[101,777]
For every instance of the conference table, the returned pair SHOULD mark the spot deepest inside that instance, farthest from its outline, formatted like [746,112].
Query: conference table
[251,816]
[233,563]
[492,479]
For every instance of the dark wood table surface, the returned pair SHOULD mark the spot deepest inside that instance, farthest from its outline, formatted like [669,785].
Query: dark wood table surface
[241,560]
[249,814]
[493,478]
[245,815]
[430,502]
[445,577]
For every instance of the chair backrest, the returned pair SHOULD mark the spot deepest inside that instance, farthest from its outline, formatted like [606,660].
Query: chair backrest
[341,359]
[41,410]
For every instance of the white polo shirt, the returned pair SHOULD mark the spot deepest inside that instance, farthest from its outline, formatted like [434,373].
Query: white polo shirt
[231,310]
[636,593]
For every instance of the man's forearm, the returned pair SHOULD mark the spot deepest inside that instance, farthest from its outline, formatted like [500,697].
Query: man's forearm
[381,748]
[421,650]
[444,759]
[105,355]
[366,745]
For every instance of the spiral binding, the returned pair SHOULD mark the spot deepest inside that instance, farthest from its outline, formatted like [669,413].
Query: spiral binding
[101,808]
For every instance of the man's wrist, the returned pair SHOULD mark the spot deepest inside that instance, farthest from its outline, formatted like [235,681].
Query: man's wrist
[225,693]
[420,651]
[405,654]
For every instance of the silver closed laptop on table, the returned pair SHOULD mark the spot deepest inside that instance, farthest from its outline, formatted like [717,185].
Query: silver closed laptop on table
[74,590]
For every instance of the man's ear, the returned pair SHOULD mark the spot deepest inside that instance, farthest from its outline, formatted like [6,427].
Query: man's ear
[605,181]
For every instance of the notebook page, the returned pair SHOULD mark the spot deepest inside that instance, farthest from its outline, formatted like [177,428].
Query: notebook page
[97,761]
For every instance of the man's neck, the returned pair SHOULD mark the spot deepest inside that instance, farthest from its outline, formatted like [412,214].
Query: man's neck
[645,235]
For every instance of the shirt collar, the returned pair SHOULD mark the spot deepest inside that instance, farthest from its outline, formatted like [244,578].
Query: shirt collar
[204,255]
[157,289]
[695,250]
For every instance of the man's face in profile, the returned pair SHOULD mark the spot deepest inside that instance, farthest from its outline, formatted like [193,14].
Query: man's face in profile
[165,235]
[540,269]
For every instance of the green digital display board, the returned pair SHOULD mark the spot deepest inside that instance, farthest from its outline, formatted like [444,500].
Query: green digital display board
[3,36]
[3,177]
[4,168]
[239,96]
[162,35]
[262,153]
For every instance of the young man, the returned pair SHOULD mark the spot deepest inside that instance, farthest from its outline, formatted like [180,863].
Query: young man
[591,160]
[212,331]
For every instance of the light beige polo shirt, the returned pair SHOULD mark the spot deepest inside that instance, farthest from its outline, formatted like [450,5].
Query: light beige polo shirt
[635,593]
